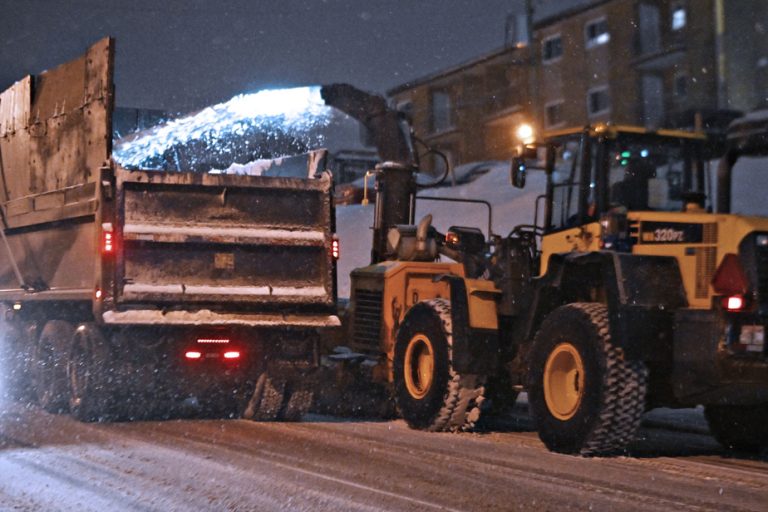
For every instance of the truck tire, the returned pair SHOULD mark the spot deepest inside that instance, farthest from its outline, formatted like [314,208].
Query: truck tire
[584,396]
[16,352]
[90,359]
[49,366]
[298,403]
[267,400]
[429,393]
[738,427]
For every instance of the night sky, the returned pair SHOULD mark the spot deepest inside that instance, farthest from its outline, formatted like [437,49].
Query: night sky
[180,55]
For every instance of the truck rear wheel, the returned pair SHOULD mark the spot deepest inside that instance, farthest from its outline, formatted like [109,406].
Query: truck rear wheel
[49,366]
[585,397]
[15,355]
[429,393]
[738,427]
[89,362]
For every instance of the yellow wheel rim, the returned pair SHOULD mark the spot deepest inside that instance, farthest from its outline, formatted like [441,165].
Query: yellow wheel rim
[564,381]
[419,368]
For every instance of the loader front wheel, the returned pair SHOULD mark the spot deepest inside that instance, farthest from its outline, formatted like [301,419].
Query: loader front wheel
[738,427]
[585,397]
[49,366]
[429,393]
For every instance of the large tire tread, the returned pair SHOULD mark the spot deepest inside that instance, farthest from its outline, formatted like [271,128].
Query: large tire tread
[463,395]
[622,387]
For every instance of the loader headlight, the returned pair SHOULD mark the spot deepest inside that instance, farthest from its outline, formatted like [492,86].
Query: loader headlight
[762,240]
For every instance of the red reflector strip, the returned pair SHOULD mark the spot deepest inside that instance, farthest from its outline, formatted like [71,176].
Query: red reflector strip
[232,354]
[213,340]
[193,354]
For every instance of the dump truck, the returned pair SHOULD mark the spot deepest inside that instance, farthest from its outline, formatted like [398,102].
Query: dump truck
[624,294]
[124,289]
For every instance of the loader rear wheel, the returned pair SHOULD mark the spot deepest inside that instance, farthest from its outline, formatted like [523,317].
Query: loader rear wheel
[89,362]
[738,427]
[585,397]
[429,393]
[49,367]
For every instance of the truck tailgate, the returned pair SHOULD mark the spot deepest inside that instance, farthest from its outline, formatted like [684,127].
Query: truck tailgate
[224,242]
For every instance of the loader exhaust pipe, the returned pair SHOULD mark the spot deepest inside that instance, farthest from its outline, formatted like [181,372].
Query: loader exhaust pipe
[395,203]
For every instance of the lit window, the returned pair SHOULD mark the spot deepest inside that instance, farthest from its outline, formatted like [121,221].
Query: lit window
[678,17]
[552,49]
[553,114]
[597,33]
[598,101]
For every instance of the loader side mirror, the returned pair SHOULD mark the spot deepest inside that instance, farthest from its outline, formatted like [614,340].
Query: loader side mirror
[518,171]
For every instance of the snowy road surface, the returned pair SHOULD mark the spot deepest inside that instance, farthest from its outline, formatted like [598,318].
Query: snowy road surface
[50,462]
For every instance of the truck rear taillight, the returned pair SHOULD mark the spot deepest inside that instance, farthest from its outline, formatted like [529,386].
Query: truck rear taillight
[232,354]
[109,245]
[335,248]
[193,354]
[107,238]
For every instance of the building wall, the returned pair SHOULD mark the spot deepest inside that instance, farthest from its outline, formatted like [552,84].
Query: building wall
[657,68]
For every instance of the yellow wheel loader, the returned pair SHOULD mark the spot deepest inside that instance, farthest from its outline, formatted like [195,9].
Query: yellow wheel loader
[629,293]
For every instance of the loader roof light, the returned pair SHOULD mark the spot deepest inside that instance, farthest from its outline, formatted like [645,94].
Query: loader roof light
[335,248]
[193,354]
[525,133]
[17,306]
[729,278]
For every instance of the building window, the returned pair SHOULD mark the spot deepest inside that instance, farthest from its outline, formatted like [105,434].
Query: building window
[681,86]
[679,17]
[553,114]
[552,48]
[597,33]
[441,111]
[598,101]
[649,30]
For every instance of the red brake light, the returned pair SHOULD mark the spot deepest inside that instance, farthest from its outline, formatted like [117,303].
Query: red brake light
[335,248]
[193,354]
[730,279]
[734,303]
[232,354]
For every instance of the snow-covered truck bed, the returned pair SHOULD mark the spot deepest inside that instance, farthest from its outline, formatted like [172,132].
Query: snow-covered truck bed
[126,284]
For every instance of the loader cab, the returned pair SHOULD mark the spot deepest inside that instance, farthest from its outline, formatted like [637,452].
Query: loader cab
[596,170]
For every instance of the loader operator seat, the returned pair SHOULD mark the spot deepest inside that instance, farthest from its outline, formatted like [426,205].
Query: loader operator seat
[406,242]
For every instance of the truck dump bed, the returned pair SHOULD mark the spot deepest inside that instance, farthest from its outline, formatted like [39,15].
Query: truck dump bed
[147,246]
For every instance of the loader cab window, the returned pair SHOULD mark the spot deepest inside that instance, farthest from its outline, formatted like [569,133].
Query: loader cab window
[567,193]
[651,175]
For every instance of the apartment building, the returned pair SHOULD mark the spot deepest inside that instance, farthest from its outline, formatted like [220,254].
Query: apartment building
[670,63]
